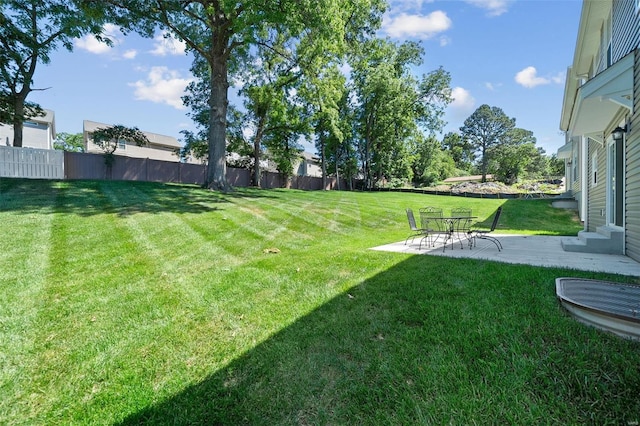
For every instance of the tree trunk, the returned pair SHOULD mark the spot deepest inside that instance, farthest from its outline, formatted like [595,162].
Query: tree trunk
[20,97]
[324,162]
[217,166]
[484,164]
[337,171]
[369,143]
[257,141]
[18,119]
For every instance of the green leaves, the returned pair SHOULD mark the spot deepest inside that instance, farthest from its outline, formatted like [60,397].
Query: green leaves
[393,106]
[108,138]
[485,128]
[69,142]
[29,31]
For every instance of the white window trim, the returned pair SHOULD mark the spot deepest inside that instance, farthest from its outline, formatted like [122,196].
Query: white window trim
[594,169]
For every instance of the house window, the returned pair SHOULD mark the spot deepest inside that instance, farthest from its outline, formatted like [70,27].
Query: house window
[604,56]
[574,164]
[34,125]
[594,170]
[122,144]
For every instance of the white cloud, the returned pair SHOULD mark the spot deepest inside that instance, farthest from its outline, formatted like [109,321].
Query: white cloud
[463,102]
[418,26]
[459,109]
[165,44]
[493,7]
[462,98]
[162,86]
[130,54]
[528,78]
[91,44]
[559,78]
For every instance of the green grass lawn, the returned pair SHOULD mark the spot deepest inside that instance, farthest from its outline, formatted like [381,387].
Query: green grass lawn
[128,303]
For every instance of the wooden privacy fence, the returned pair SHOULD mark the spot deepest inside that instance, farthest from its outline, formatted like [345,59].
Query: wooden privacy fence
[31,163]
[54,164]
[92,166]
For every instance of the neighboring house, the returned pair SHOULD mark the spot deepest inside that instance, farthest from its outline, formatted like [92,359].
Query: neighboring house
[37,132]
[160,147]
[309,165]
[600,115]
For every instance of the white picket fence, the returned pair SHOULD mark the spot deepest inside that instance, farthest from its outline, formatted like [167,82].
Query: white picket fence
[31,163]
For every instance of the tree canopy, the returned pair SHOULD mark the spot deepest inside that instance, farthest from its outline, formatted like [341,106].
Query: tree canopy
[73,142]
[109,138]
[223,34]
[392,106]
[30,30]
[485,128]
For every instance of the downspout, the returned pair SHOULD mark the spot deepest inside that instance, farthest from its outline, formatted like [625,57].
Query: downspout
[584,180]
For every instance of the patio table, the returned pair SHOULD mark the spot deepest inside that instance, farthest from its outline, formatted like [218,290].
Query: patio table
[450,227]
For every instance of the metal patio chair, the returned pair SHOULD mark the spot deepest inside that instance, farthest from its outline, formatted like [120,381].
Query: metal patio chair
[462,226]
[483,234]
[415,231]
[432,221]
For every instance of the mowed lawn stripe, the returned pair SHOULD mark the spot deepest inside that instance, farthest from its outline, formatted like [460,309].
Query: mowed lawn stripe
[95,305]
[323,331]
[177,250]
[320,211]
[135,312]
[265,221]
[25,247]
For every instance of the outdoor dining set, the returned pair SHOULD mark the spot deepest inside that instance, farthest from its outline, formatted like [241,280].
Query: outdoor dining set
[459,225]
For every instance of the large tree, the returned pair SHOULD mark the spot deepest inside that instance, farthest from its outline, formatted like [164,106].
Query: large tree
[335,134]
[270,86]
[460,151]
[224,32]
[30,30]
[430,162]
[393,105]
[514,156]
[486,128]
[324,91]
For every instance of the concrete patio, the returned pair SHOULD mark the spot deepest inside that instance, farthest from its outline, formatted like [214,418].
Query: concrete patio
[525,249]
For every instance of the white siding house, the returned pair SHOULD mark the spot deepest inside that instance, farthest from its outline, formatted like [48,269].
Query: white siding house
[160,147]
[308,165]
[37,132]
[602,125]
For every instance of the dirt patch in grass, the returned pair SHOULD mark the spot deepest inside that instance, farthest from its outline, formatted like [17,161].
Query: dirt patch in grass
[500,188]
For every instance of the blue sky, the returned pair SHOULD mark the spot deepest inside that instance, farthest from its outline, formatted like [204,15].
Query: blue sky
[512,54]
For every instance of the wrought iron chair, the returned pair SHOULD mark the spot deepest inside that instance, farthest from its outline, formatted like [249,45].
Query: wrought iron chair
[431,221]
[483,234]
[462,226]
[415,231]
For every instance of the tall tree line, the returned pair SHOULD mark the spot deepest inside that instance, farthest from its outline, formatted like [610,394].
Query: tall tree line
[307,70]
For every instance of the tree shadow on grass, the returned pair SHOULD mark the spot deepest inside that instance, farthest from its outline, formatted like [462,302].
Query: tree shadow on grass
[420,343]
[91,197]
